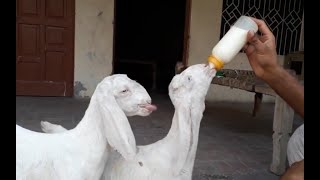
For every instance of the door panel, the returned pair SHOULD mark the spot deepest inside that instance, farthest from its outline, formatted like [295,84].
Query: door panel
[45,47]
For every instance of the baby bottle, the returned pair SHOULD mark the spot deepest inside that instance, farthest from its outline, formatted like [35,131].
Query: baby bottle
[232,42]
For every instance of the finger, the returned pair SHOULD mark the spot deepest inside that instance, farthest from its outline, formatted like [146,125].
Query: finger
[254,40]
[245,47]
[249,50]
[262,26]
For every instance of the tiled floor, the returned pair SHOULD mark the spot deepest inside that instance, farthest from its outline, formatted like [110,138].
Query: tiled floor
[232,144]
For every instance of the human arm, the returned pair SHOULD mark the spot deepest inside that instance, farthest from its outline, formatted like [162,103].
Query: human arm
[295,172]
[262,55]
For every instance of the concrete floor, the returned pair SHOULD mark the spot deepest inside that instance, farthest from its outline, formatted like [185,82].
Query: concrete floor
[232,144]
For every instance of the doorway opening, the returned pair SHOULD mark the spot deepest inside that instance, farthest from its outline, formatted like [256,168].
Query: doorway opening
[149,39]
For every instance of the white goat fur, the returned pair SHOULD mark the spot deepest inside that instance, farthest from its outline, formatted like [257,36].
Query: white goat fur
[172,157]
[81,153]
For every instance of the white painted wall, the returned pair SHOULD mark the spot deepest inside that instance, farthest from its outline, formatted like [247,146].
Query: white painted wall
[93,44]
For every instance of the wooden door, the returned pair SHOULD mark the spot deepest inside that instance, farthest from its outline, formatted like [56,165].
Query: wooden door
[45,47]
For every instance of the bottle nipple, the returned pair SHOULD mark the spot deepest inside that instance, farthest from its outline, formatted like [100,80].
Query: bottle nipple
[215,62]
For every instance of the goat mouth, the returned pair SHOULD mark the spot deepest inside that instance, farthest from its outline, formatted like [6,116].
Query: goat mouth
[148,107]
[211,72]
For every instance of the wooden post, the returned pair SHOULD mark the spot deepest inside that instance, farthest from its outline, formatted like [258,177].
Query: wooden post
[282,127]
[257,103]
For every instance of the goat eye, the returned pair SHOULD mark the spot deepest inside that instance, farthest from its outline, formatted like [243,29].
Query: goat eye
[124,91]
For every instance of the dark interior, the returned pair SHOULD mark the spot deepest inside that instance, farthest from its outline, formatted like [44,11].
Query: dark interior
[149,31]
[296,66]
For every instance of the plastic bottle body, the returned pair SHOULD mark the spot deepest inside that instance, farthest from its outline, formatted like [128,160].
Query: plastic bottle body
[232,42]
[230,45]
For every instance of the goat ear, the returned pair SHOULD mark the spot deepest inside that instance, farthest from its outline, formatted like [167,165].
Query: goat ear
[117,128]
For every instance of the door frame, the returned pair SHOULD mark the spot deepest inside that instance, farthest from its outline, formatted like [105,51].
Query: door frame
[186,39]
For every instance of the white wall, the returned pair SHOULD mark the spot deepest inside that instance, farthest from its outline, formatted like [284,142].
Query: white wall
[93,44]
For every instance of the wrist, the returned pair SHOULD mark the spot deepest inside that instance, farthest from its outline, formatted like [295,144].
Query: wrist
[273,75]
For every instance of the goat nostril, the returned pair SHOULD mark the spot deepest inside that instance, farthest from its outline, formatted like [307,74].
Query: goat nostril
[149,101]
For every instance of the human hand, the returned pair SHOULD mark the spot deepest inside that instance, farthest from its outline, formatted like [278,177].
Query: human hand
[261,51]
